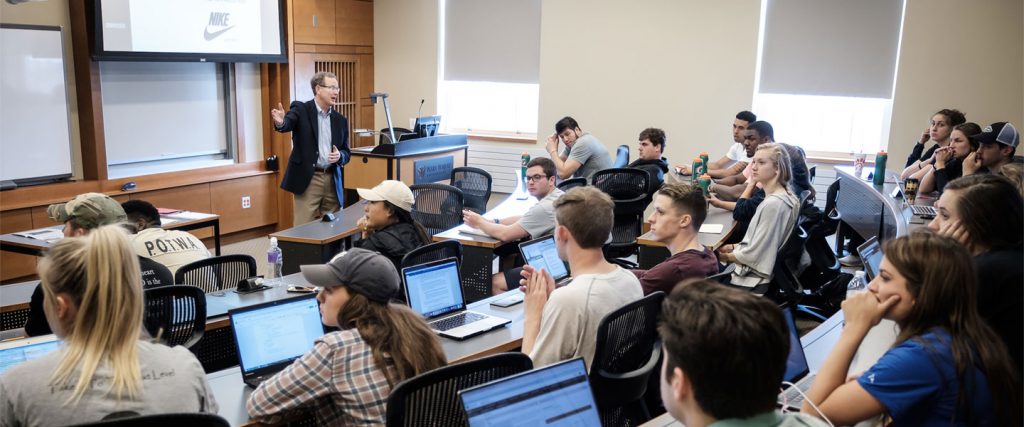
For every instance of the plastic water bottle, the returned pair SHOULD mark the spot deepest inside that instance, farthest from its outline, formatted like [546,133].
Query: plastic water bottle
[275,260]
[859,283]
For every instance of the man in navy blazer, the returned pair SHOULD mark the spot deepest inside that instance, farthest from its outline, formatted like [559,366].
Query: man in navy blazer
[319,149]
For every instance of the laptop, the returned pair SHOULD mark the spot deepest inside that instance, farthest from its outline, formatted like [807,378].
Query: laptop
[557,394]
[17,351]
[434,290]
[541,253]
[871,255]
[797,370]
[271,335]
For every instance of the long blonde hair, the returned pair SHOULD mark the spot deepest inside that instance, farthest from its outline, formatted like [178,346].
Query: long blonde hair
[780,157]
[100,274]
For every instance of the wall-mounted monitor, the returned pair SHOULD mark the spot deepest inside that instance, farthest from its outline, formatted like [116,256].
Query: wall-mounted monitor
[188,30]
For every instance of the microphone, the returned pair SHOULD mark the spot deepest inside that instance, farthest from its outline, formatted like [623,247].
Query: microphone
[420,110]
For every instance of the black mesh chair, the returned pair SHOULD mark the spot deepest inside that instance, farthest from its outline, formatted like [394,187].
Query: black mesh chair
[176,314]
[164,420]
[385,136]
[433,252]
[621,157]
[432,399]
[437,207]
[216,273]
[572,183]
[628,189]
[475,184]
[628,350]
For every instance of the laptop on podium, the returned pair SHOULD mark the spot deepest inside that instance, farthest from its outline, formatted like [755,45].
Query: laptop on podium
[434,290]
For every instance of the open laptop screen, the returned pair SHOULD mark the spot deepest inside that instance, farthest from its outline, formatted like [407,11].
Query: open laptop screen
[15,352]
[796,364]
[558,394]
[277,333]
[871,255]
[434,289]
[542,253]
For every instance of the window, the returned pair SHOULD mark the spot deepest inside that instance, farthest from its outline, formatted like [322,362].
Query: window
[489,60]
[826,73]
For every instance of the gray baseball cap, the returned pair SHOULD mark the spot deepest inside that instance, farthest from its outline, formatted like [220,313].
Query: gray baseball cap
[359,270]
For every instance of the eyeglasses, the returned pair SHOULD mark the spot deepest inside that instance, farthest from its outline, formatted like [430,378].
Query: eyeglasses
[331,88]
[538,177]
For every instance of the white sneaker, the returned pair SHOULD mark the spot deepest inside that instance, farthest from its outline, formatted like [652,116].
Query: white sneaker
[851,261]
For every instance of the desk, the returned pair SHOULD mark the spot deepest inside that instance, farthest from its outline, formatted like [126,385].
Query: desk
[478,251]
[183,221]
[317,242]
[231,393]
[414,161]
[653,252]
[870,210]
[14,301]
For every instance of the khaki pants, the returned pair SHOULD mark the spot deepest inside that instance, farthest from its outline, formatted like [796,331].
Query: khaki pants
[320,198]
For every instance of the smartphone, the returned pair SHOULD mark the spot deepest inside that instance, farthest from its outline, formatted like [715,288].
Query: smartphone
[509,301]
[299,289]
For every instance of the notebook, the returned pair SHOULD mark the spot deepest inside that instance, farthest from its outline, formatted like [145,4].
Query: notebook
[557,394]
[541,253]
[271,335]
[434,290]
[797,370]
[15,352]
[871,255]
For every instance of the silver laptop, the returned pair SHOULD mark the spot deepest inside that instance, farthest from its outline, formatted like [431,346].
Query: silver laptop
[434,290]
[557,394]
[870,253]
[15,352]
[271,335]
[541,253]
[797,370]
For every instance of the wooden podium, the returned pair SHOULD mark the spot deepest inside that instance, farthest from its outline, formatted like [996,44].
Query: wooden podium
[413,161]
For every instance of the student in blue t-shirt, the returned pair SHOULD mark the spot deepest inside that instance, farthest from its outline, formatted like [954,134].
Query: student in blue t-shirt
[947,366]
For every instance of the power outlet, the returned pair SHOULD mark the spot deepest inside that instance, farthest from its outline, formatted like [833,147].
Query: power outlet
[246,202]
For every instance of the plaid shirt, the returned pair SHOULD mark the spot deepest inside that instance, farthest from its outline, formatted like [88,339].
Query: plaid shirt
[338,378]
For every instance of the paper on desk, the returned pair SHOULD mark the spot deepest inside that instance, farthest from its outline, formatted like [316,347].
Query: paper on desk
[165,221]
[465,229]
[47,234]
[183,215]
[712,228]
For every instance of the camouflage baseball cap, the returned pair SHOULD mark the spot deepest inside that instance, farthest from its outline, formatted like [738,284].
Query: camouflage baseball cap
[89,210]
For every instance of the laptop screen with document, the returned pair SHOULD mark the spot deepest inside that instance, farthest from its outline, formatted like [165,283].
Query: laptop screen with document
[542,253]
[434,289]
[277,332]
[557,394]
[22,350]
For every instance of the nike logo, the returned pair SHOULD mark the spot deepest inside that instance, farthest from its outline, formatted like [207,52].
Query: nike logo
[210,36]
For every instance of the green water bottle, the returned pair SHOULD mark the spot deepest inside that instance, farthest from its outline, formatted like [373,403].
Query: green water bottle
[880,159]
[696,170]
[704,161]
[526,161]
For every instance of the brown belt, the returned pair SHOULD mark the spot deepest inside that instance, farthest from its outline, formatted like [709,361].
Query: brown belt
[319,169]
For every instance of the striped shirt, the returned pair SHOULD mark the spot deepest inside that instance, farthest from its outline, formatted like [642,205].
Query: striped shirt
[323,119]
[338,379]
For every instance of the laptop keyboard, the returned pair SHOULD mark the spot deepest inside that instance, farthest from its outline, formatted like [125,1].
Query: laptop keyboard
[455,321]
[923,210]
[794,399]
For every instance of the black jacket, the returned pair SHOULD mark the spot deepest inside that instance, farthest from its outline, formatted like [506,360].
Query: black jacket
[393,241]
[656,169]
[301,121]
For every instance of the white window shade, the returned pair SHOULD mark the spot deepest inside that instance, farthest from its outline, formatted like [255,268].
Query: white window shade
[492,40]
[831,47]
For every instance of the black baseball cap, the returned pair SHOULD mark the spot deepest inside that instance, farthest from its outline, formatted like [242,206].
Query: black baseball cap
[359,270]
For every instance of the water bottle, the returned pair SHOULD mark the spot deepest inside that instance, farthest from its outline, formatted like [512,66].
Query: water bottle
[859,283]
[275,262]
[880,159]
[525,161]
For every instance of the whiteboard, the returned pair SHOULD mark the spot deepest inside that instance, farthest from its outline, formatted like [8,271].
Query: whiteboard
[35,135]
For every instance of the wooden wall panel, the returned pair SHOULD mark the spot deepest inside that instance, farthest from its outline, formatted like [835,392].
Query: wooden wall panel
[194,198]
[354,22]
[227,202]
[12,265]
[305,12]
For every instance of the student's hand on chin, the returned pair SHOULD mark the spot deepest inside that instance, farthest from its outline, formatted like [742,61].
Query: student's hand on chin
[956,231]
[863,309]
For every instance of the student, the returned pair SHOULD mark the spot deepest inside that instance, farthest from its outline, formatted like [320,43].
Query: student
[939,129]
[947,367]
[772,223]
[650,151]
[745,206]
[949,160]
[986,214]
[347,376]
[583,155]
[997,145]
[710,335]
[387,225]
[679,211]
[81,215]
[538,221]
[172,248]
[737,151]
[562,323]
[102,368]
[1015,173]
[731,186]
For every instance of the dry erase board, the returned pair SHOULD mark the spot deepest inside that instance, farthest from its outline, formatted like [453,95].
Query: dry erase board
[35,135]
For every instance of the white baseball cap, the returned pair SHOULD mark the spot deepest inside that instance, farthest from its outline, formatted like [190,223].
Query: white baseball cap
[394,192]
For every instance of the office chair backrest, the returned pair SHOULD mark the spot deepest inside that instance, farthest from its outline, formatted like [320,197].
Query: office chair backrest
[475,184]
[432,399]
[164,420]
[621,157]
[437,207]
[433,252]
[570,183]
[176,314]
[628,189]
[385,136]
[628,350]
[216,273]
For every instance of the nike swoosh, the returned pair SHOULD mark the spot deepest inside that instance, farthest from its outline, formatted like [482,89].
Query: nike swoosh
[210,36]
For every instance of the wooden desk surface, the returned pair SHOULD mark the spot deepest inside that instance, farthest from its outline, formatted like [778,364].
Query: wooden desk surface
[320,233]
[515,204]
[715,216]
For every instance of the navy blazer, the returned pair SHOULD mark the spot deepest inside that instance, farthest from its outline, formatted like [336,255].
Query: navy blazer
[301,121]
